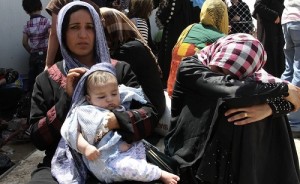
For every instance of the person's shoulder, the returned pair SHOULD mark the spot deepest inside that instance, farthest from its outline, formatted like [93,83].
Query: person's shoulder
[57,69]
[53,73]
[26,25]
[132,43]
[118,64]
[134,46]
[190,61]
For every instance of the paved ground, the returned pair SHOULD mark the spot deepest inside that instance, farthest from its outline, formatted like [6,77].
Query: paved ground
[20,174]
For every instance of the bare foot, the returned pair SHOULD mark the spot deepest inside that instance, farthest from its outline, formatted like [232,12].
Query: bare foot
[169,178]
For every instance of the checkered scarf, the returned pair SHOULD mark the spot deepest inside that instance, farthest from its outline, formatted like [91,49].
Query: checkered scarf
[241,54]
[101,48]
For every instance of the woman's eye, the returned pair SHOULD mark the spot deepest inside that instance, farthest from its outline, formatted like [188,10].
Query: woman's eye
[74,27]
[90,26]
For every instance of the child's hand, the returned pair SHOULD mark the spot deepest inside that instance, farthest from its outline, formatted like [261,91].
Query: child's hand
[91,152]
[124,147]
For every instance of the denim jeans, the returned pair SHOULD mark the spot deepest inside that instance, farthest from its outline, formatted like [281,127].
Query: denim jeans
[294,120]
[291,31]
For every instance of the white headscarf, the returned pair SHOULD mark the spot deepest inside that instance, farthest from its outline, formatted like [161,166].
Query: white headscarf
[101,48]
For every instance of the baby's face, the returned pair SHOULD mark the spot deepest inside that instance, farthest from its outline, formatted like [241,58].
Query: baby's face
[106,96]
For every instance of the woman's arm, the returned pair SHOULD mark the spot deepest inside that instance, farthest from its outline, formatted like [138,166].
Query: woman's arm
[286,100]
[138,122]
[144,66]
[25,43]
[194,76]
[294,96]
[52,43]
[49,107]
[268,10]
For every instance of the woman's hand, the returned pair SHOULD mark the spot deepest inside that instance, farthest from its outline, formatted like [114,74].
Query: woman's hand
[112,122]
[246,115]
[277,21]
[72,79]
[294,96]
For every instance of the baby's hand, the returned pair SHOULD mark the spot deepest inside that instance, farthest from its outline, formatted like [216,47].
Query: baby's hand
[124,147]
[91,152]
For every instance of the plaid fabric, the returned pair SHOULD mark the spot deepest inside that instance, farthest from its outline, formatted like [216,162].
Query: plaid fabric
[241,54]
[37,31]
[119,28]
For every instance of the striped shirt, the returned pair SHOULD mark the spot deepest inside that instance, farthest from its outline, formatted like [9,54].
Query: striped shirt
[37,30]
[141,24]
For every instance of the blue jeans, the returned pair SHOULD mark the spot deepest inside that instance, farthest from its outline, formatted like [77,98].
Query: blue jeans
[294,120]
[291,50]
[291,31]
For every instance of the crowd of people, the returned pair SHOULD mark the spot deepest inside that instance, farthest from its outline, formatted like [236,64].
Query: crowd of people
[98,88]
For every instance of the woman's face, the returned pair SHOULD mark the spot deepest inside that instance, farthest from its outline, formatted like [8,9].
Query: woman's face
[80,35]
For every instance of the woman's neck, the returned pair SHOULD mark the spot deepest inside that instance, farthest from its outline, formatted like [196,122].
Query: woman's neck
[87,60]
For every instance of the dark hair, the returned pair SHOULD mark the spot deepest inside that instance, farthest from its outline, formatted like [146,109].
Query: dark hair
[66,21]
[140,9]
[31,6]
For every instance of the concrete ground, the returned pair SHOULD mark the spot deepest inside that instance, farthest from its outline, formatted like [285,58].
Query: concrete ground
[20,174]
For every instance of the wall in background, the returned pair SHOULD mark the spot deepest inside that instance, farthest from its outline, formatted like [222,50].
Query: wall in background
[12,53]
[13,18]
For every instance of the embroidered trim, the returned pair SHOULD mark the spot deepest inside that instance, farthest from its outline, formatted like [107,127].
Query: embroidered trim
[56,75]
[145,118]
[134,125]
